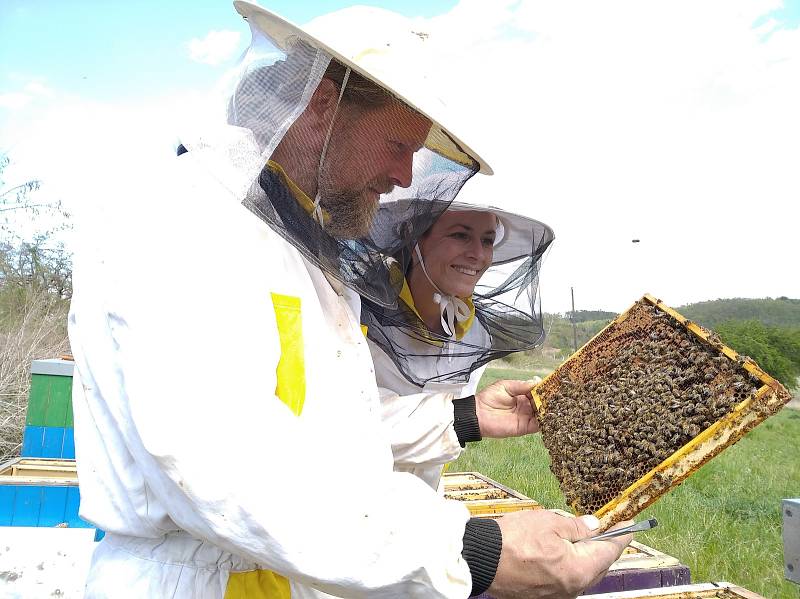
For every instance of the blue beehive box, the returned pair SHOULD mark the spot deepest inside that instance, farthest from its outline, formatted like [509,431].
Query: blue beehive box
[40,492]
[40,488]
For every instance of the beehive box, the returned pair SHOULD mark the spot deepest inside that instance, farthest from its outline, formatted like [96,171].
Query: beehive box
[643,405]
[791,539]
[40,492]
[483,496]
[642,567]
[49,429]
[711,590]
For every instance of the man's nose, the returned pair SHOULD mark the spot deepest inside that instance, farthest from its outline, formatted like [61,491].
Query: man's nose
[400,171]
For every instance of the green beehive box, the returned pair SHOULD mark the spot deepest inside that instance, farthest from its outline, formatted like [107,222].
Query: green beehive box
[49,428]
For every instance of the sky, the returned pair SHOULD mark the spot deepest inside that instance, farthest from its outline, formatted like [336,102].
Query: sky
[676,123]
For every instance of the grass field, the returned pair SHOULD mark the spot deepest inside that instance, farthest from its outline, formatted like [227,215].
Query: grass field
[724,522]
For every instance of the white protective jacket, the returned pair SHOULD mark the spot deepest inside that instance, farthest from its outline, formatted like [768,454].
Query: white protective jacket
[227,420]
[420,419]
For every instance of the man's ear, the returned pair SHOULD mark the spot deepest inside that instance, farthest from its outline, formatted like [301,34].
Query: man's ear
[323,104]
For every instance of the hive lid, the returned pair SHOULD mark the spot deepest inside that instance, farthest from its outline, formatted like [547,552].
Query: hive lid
[56,367]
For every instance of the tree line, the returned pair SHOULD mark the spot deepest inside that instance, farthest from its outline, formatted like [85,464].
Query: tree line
[767,330]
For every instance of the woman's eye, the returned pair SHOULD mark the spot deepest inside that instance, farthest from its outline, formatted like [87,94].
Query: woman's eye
[460,236]
[487,241]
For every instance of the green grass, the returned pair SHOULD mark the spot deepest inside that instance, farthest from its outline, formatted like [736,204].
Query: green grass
[724,522]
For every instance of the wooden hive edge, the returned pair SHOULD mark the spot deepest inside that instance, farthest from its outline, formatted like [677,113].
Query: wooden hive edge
[707,590]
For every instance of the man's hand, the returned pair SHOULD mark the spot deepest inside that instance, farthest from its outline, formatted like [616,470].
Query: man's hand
[542,558]
[505,409]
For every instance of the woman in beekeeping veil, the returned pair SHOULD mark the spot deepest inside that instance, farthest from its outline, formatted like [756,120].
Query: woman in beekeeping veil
[469,296]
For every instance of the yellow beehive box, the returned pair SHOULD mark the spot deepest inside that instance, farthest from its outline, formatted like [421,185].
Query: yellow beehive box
[483,496]
[643,405]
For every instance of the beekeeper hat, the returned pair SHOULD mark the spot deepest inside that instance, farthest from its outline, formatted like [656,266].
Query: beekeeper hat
[388,53]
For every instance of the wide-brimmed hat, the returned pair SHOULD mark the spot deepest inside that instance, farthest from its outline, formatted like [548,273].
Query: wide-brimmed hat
[517,235]
[391,55]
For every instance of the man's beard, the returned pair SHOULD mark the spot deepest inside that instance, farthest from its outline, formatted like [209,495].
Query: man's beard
[349,212]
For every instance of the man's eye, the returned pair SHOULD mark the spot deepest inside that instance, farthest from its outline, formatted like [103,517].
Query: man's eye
[488,241]
[460,236]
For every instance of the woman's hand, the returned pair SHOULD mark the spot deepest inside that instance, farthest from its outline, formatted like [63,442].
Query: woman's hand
[505,409]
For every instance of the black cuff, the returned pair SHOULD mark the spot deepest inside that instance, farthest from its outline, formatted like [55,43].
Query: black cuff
[466,420]
[482,544]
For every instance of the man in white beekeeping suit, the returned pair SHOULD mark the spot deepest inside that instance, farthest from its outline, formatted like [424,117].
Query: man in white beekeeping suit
[227,418]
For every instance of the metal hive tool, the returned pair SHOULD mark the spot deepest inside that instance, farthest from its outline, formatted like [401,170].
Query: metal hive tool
[641,406]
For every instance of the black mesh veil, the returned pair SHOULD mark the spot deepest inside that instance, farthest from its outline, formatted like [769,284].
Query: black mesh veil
[507,311]
[316,166]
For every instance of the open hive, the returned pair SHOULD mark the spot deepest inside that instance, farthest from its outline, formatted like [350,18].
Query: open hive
[644,404]
[39,492]
[484,497]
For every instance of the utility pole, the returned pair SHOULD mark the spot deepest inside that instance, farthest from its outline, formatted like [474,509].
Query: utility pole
[574,331]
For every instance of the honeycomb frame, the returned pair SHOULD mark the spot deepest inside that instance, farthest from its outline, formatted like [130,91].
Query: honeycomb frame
[769,397]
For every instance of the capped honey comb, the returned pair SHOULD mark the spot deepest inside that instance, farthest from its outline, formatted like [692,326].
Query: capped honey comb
[642,405]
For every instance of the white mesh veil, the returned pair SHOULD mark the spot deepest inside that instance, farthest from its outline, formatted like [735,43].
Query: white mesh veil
[507,311]
[315,166]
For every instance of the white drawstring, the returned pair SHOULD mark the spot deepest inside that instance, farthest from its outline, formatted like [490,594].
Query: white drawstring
[452,309]
[317,210]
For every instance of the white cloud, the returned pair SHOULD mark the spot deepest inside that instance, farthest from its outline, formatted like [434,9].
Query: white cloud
[619,120]
[215,48]
[676,125]
[82,151]
[14,100]
[31,91]
[37,88]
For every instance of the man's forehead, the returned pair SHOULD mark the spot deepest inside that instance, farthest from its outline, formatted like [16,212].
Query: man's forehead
[400,120]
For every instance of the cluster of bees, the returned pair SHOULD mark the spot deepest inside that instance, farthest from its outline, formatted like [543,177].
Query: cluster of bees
[475,494]
[643,388]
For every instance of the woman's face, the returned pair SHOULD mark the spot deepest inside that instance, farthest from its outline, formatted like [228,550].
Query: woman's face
[458,249]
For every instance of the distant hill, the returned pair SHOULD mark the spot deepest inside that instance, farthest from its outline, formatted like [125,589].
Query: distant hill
[589,315]
[781,312]
[560,333]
